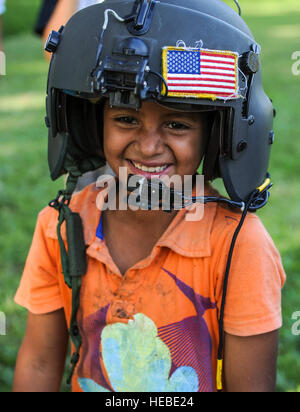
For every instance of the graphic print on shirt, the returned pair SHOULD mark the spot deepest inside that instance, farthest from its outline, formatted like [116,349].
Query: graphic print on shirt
[139,357]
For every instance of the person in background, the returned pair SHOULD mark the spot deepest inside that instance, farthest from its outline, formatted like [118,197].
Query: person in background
[63,12]
[45,13]
[2,10]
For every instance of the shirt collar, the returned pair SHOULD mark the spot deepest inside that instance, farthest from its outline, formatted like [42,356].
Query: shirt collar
[190,238]
[85,203]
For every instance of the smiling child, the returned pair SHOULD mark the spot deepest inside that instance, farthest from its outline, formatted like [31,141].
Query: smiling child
[141,292]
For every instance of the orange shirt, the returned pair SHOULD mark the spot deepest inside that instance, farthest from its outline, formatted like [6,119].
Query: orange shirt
[156,328]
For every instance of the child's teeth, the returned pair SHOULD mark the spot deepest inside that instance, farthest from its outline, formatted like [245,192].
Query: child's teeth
[150,169]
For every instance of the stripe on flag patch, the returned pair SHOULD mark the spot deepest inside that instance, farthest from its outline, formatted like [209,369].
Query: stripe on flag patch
[200,73]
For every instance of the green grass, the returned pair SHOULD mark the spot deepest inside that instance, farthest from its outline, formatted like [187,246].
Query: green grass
[25,187]
[20,16]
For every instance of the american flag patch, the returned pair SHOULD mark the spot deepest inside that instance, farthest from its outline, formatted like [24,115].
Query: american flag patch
[200,73]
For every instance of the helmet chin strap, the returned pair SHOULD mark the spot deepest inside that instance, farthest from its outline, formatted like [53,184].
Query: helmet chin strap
[153,194]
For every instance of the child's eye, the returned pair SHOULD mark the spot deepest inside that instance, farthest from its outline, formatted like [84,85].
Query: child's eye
[128,120]
[177,126]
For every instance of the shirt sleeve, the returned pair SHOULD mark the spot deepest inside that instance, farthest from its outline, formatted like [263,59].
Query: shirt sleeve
[39,289]
[253,302]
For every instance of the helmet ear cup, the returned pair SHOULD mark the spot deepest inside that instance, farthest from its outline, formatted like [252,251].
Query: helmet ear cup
[75,127]
[85,125]
[211,169]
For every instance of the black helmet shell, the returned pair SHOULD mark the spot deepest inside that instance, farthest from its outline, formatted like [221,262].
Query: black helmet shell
[239,147]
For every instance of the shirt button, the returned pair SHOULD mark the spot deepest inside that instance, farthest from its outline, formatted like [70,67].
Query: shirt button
[125,293]
[130,274]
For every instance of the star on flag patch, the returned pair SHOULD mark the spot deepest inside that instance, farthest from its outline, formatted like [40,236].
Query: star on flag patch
[200,73]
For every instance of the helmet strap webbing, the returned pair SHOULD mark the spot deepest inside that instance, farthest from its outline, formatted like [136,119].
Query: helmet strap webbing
[74,267]
[74,261]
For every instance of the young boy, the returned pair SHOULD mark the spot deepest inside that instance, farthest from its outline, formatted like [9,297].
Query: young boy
[147,312]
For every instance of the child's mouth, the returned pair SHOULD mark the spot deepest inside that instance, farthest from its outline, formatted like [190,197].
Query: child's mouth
[146,171]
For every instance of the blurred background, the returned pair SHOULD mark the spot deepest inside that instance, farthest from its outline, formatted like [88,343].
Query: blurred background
[26,188]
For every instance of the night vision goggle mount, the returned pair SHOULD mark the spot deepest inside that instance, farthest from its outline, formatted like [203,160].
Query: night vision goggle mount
[123,75]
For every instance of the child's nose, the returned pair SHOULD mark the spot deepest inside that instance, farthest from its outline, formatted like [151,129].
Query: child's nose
[150,142]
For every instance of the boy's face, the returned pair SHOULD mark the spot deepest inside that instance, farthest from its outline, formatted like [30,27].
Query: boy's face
[154,141]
